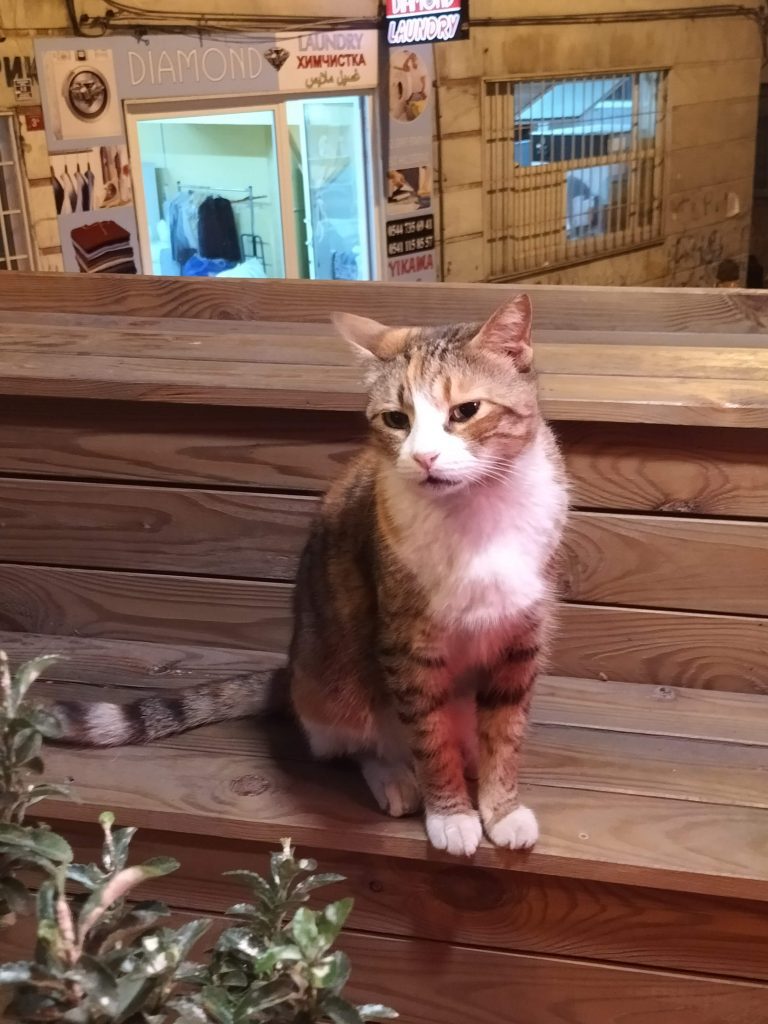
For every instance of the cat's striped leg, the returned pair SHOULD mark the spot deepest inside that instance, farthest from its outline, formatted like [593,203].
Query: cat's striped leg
[503,700]
[421,689]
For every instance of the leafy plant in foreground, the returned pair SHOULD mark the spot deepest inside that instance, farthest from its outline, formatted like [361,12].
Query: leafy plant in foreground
[100,959]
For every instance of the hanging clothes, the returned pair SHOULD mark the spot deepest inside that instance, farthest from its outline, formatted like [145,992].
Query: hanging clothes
[183,225]
[217,232]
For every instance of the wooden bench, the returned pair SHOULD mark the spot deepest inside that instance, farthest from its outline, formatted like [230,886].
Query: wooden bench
[162,446]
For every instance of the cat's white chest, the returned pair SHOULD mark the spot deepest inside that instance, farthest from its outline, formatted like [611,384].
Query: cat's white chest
[484,563]
[476,583]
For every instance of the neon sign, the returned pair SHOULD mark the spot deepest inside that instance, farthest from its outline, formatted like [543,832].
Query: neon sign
[426,21]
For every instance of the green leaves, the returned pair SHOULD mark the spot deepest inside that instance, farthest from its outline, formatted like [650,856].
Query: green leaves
[17,841]
[99,959]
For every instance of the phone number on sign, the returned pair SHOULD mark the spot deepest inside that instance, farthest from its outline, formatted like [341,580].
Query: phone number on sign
[415,234]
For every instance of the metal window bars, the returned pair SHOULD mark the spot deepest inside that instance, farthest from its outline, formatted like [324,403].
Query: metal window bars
[15,244]
[574,169]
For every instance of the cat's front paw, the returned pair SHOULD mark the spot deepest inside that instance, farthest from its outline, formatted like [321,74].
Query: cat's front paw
[459,834]
[517,830]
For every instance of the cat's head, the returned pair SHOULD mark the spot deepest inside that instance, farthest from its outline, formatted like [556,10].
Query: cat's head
[450,406]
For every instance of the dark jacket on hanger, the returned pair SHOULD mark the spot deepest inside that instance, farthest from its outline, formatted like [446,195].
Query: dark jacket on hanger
[217,231]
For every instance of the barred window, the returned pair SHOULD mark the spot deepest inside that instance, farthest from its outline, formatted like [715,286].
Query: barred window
[14,234]
[574,169]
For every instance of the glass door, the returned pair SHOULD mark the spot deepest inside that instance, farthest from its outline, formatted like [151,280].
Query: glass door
[275,191]
[210,201]
[329,171]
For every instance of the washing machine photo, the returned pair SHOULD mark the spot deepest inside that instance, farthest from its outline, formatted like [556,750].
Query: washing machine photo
[82,94]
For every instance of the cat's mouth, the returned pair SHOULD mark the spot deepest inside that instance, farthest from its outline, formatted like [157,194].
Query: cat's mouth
[437,483]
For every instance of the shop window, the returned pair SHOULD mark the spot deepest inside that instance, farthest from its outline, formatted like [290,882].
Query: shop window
[14,234]
[574,169]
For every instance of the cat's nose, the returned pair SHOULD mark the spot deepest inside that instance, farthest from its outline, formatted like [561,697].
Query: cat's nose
[425,459]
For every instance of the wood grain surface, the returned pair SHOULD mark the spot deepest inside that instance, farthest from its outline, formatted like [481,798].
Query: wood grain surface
[555,306]
[166,443]
[634,399]
[452,984]
[126,667]
[721,652]
[663,842]
[680,470]
[635,355]
[640,645]
[648,561]
[713,565]
[458,903]
[684,470]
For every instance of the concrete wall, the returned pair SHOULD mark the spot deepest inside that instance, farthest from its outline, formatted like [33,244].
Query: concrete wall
[713,87]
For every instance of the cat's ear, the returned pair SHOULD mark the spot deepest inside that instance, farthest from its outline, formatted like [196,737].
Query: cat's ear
[369,338]
[508,333]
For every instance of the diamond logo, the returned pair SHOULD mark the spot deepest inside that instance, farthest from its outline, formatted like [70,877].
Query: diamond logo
[277,56]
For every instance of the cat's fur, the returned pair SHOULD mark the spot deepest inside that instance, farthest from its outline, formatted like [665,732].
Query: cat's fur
[425,590]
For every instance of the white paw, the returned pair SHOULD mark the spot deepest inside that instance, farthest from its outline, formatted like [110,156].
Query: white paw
[394,787]
[459,834]
[517,831]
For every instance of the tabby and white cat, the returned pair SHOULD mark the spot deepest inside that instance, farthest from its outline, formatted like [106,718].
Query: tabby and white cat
[425,590]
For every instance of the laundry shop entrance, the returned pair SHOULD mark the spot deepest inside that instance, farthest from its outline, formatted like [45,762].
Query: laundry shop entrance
[279,189]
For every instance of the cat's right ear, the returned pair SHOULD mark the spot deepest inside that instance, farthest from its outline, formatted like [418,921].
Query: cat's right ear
[369,338]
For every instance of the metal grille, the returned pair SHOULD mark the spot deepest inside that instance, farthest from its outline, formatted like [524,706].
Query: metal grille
[14,232]
[574,168]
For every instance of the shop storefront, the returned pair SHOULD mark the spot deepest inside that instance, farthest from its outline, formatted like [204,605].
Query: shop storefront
[279,157]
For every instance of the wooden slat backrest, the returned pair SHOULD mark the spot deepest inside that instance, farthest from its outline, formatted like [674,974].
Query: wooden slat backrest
[664,581]
[556,307]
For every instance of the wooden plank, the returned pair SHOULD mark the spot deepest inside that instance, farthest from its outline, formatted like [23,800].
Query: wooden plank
[673,649]
[733,403]
[428,982]
[509,910]
[288,386]
[145,606]
[661,309]
[591,834]
[222,533]
[587,703]
[689,470]
[645,356]
[295,343]
[711,652]
[647,765]
[246,447]
[643,360]
[653,711]
[702,565]
[565,757]
[128,666]
[717,565]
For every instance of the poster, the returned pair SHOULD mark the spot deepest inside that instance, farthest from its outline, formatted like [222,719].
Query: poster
[100,241]
[410,222]
[91,179]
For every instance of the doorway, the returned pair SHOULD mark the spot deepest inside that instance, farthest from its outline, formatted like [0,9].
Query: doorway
[276,190]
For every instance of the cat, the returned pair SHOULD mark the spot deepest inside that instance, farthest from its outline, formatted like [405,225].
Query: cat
[425,591]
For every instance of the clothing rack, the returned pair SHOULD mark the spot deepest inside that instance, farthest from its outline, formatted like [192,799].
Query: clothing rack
[257,243]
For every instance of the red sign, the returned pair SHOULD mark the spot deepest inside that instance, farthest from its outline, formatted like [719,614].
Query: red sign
[33,120]
[426,21]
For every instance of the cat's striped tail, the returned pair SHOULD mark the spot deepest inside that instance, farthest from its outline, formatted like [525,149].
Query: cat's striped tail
[101,724]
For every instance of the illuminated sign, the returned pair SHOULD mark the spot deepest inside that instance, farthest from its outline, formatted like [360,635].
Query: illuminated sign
[426,21]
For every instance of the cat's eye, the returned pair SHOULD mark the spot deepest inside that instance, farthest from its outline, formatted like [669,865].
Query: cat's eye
[395,420]
[465,411]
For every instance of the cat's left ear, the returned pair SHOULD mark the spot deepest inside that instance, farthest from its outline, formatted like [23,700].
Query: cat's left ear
[369,338]
[508,333]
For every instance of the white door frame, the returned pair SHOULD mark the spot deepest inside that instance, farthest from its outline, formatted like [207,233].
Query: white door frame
[162,109]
